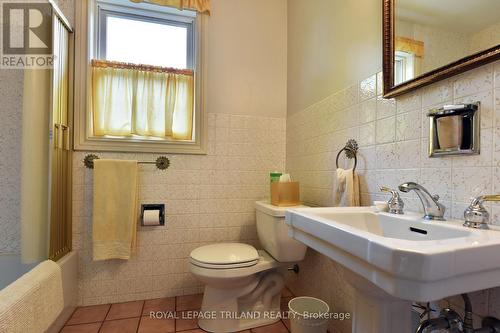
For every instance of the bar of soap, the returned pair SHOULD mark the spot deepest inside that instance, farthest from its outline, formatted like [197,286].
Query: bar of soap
[382,206]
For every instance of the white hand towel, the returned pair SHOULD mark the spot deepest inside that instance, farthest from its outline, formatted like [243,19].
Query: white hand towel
[346,188]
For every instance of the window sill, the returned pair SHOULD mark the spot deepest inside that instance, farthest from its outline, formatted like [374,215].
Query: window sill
[137,145]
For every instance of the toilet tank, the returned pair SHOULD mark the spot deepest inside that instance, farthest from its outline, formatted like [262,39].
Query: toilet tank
[273,233]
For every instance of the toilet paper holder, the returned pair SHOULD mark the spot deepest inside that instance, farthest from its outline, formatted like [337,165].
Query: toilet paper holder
[160,208]
[454,130]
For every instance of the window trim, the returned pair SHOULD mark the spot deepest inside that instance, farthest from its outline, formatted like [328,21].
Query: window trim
[86,43]
[407,61]
[106,9]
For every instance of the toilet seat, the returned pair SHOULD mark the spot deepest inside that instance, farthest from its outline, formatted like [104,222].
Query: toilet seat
[223,266]
[265,262]
[225,256]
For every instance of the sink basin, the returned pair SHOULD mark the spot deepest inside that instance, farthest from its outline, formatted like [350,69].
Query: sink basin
[398,258]
[389,226]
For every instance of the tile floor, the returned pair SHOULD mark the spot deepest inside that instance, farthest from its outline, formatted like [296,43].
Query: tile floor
[133,317]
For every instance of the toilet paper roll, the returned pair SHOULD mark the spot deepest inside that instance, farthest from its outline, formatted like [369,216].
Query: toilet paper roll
[151,217]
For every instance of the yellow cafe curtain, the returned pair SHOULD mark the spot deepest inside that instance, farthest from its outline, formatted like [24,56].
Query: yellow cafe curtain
[139,100]
[202,6]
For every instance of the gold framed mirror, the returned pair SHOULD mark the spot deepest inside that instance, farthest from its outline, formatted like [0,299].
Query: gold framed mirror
[425,41]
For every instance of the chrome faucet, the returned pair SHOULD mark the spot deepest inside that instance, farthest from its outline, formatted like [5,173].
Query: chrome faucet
[433,209]
[396,205]
[476,216]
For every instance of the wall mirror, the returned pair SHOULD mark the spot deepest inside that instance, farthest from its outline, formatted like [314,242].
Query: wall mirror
[427,40]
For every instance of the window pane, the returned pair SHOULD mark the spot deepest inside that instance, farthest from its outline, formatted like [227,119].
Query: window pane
[146,43]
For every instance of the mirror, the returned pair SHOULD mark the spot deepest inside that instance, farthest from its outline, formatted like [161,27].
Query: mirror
[428,40]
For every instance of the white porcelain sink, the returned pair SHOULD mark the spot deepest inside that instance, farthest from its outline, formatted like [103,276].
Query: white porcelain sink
[387,225]
[392,260]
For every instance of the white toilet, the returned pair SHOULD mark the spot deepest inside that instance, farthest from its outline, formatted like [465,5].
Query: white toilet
[243,285]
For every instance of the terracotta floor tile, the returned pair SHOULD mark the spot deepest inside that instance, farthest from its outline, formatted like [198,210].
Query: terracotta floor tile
[152,325]
[120,326]
[125,310]
[278,327]
[89,314]
[159,304]
[82,328]
[287,323]
[286,293]
[189,302]
[284,305]
[199,330]
[184,324]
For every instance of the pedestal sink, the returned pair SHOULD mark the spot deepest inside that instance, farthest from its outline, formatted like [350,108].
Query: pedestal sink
[392,260]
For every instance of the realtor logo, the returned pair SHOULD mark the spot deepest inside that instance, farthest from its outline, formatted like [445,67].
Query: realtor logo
[26,34]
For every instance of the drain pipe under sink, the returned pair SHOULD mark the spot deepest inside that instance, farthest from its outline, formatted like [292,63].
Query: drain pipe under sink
[450,320]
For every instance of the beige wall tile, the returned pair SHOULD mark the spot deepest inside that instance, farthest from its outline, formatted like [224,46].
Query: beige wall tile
[208,198]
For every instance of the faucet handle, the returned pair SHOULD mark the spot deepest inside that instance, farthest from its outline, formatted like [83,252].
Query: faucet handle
[388,189]
[396,204]
[476,216]
[489,197]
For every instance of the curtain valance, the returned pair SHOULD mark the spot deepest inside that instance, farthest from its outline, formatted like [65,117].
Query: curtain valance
[202,6]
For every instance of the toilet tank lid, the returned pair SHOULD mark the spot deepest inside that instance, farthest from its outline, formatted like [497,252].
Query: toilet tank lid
[277,211]
[225,253]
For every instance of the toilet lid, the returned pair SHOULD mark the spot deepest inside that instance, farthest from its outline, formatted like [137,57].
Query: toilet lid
[223,254]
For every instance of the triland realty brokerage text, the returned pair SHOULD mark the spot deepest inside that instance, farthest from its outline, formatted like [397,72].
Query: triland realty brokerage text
[246,315]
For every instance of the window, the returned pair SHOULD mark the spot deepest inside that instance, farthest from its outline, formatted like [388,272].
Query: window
[407,59]
[136,36]
[403,67]
[143,81]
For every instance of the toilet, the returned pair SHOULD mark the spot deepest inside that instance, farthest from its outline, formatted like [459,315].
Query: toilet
[242,284]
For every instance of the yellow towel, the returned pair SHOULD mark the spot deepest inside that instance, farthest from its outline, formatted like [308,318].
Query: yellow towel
[346,188]
[115,209]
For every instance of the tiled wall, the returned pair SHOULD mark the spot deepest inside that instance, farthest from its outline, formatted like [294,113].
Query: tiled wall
[392,135]
[209,198]
[441,45]
[11,88]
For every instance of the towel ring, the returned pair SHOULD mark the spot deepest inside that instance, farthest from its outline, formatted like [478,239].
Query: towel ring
[350,149]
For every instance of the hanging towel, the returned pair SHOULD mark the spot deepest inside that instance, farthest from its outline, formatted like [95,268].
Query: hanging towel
[34,301]
[346,188]
[115,209]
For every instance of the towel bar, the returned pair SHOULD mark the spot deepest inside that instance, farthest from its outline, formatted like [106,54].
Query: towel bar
[161,162]
[351,149]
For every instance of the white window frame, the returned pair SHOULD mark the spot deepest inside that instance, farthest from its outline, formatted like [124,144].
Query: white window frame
[405,62]
[109,9]
[87,44]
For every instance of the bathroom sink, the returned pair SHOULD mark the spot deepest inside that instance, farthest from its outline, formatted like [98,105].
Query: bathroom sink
[405,256]
[389,226]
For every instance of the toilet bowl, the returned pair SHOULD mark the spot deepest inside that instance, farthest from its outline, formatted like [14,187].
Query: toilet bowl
[242,284]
